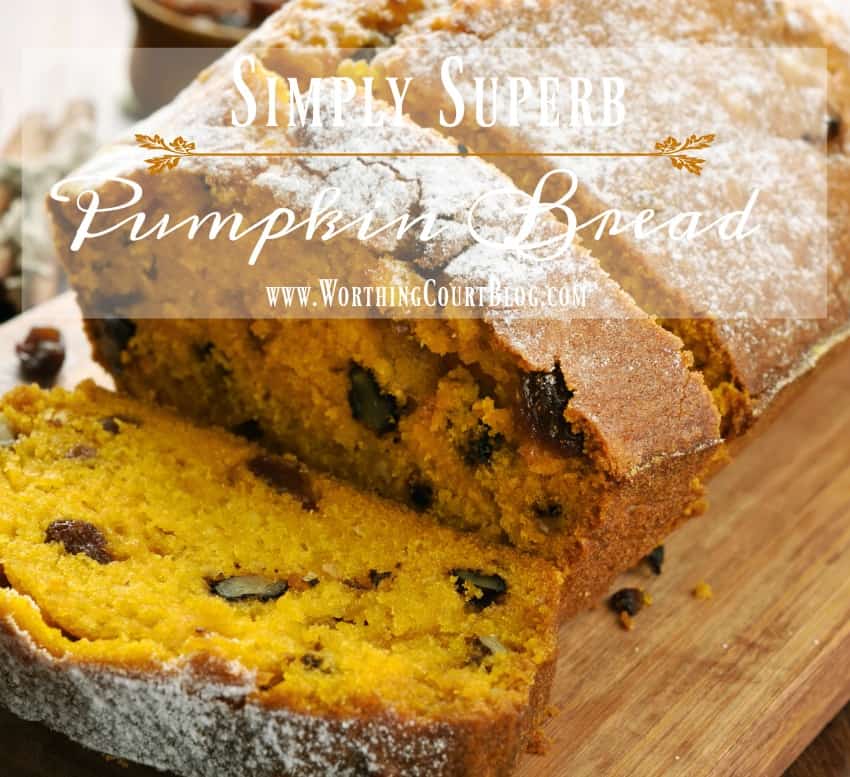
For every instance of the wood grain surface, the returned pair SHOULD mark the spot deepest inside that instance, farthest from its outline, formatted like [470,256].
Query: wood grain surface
[737,685]
[829,754]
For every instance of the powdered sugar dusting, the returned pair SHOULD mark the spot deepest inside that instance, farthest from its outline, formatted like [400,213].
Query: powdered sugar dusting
[766,106]
[177,721]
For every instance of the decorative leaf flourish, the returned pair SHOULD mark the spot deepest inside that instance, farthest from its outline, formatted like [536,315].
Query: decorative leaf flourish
[689,163]
[672,148]
[667,146]
[177,148]
[159,164]
[151,141]
[182,146]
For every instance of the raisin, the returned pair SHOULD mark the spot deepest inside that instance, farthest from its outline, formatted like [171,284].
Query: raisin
[481,445]
[41,355]
[492,587]
[312,661]
[204,350]
[549,511]
[358,584]
[832,129]
[375,409]
[550,516]
[82,452]
[110,423]
[112,336]
[249,587]
[216,368]
[627,600]
[79,538]
[367,583]
[544,397]
[285,477]
[376,578]
[249,430]
[656,559]
[421,493]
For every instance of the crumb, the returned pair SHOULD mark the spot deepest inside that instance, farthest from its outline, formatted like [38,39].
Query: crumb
[647,599]
[626,621]
[703,591]
[538,743]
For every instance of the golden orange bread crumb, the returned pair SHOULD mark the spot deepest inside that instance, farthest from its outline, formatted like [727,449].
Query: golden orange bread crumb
[458,446]
[538,743]
[130,539]
[703,591]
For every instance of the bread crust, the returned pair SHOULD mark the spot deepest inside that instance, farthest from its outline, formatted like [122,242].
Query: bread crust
[194,719]
[632,520]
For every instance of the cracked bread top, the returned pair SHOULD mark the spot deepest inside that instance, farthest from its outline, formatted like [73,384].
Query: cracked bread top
[776,301]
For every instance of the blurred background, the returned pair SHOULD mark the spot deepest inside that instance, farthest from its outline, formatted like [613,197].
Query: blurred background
[71,77]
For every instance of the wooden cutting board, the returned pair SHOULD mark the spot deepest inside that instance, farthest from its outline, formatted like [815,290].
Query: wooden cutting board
[735,686]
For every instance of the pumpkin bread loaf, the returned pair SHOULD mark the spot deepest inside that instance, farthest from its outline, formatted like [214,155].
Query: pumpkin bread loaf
[181,598]
[579,436]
